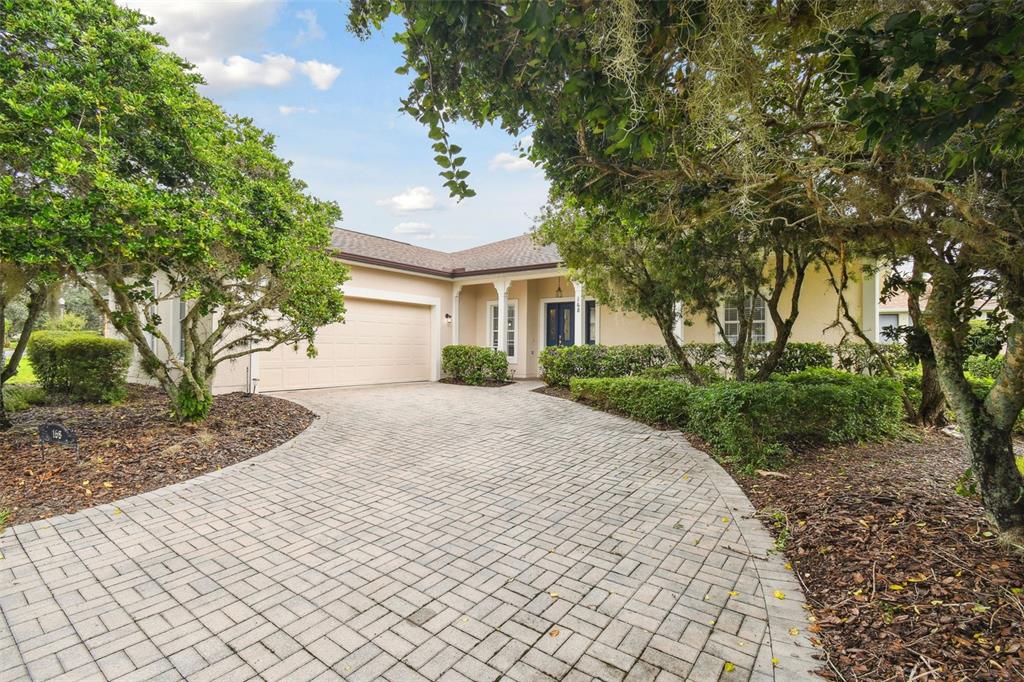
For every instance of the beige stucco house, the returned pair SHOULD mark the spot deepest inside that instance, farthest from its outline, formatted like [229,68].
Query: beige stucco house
[406,302]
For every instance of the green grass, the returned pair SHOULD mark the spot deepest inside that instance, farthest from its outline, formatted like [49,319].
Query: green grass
[25,375]
[1020,465]
[5,515]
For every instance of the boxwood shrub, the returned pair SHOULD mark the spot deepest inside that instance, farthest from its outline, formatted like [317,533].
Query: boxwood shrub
[757,423]
[80,365]
[560,364]
[474,365]
[652,401]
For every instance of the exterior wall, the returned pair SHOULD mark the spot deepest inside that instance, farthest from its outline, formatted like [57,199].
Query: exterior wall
[531,292]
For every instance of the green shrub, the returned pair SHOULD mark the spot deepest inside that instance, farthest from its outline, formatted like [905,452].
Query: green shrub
[756,423]
[984,366]
[474,365]
[19,397]
[68,322]
[80,365]
[856,357]
[707,373]
[560,364]
[796,357]
[651,401]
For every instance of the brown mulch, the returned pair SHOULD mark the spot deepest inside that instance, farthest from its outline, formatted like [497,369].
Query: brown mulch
[133,447]
[556,391]
[486,384]
[905,577]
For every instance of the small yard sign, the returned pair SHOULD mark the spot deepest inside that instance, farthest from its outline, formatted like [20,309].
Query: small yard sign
[55,432]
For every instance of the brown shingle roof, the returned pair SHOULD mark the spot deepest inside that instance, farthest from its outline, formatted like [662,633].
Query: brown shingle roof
[517,253]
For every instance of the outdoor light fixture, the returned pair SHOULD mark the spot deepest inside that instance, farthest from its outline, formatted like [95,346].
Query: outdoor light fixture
[558,291]
[447,318]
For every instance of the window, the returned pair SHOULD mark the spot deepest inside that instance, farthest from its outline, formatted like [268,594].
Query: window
[731,320]
[590,322]
[886,322]
[510,330]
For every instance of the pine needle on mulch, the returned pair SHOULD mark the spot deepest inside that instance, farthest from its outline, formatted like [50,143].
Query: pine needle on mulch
[906,579]
[131,448]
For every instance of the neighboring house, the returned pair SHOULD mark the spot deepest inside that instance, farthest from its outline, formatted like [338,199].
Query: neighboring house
[895,312]
[406,302]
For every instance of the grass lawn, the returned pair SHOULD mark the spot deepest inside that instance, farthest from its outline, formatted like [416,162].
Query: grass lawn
[25,374]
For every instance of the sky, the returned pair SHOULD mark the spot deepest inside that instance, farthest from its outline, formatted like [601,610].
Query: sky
[332,103]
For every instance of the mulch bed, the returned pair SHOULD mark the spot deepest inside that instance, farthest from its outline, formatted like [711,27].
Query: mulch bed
[905,577]
[133,447]
[486,384]
[556,391]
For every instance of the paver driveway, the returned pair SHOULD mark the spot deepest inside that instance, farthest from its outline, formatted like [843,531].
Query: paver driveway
[415,531]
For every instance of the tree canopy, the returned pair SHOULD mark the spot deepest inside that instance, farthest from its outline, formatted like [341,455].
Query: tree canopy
[115,166]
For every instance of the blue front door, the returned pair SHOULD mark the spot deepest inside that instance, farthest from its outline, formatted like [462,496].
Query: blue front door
[560,324]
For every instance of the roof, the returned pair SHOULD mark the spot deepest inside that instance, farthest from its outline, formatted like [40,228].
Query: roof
[516,253]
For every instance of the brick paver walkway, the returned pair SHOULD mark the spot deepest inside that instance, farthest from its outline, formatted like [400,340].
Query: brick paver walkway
[417,531]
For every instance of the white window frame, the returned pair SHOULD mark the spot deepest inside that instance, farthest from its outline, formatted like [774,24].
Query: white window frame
[488,330]
[769,327]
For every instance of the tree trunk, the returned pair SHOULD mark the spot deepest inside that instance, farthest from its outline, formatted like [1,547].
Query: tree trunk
[932,410]
[999,481]
[986,424]
[5,421]
[666,325]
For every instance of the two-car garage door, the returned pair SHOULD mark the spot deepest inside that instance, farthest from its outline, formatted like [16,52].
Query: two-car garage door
[379,342]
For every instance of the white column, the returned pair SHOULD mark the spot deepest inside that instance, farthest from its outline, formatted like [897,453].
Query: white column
[456,294]
[869,307]
[579,333]
[679,327]
[502,287]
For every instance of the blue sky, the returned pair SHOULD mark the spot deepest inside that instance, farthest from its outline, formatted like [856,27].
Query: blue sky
[332,102]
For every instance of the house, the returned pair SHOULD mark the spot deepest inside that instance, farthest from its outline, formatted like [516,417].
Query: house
[406,302]
[894,312]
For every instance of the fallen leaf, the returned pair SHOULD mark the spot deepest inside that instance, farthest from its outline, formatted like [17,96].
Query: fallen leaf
[734,593]
[554,632]
[728,667]
[775,661]
[794,631]
[108,484]
[779,594]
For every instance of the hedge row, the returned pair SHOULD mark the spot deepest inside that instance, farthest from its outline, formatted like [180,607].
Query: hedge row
[757,423]
[80,365]
[559,365]
[474,365]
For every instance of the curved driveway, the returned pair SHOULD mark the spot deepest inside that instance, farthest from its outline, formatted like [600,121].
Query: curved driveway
[416,531]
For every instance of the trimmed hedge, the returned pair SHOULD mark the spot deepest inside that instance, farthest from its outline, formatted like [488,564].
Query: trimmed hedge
[560,364]
[81,365]
[756,423]
[474,365]
[652,401]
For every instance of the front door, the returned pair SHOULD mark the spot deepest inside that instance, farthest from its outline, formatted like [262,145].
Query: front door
[560,324]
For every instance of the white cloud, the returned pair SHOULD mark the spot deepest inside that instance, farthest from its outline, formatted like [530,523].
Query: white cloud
[286,110]
[313,30]
[510,162]
[238,71]
[413,230]
[412,199]
[321,75]
[201,29]
[216,35]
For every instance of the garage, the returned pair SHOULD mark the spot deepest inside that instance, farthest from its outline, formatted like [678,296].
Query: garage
[380,342]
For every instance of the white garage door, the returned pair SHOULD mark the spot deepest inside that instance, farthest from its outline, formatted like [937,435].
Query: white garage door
[380,342]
